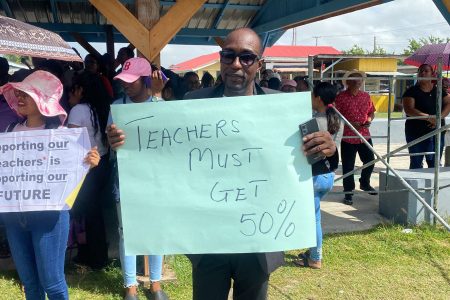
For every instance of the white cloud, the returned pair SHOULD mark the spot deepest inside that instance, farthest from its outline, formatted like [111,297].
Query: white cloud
[393,23]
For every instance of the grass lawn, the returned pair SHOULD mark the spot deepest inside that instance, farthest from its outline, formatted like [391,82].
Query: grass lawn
[383,263]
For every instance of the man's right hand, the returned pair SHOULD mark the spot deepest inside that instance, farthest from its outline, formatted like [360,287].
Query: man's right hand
[116,137]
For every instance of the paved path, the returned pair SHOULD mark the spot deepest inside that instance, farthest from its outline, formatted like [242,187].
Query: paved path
[363,214]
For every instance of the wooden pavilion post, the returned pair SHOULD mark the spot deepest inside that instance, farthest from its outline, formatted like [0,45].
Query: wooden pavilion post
[148,42]
[147,12]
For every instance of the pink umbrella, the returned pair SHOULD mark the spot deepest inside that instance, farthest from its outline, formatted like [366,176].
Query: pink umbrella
[428,54]
[20,38]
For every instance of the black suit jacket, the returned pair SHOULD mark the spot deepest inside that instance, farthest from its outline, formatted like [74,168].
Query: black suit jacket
[268,261]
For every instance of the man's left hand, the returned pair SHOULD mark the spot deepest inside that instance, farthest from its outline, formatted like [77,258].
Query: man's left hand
[319,142]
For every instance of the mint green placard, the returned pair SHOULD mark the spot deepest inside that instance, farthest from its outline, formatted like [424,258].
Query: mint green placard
[223,175]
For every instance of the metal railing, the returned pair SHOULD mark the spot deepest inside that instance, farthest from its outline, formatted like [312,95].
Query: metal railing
[385,159]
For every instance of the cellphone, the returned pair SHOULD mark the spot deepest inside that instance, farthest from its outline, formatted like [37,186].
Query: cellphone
[306,128]
[164,77]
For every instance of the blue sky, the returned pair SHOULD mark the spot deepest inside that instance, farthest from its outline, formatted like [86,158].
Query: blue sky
[392,24]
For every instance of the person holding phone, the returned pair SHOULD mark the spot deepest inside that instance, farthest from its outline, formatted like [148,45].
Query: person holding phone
[357,107]
[326,118]
[420,101]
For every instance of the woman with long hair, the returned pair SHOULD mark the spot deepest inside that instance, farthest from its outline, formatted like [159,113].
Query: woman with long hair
[90,108]
[323,97]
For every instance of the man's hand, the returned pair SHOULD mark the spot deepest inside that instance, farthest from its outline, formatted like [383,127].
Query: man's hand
[319,142]
[116,138]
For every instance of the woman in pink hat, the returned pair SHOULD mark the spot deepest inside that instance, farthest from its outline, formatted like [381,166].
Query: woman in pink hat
[136,79]
[38,239]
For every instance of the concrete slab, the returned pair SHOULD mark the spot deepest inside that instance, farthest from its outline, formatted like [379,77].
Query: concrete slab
[403,207]
[338,217]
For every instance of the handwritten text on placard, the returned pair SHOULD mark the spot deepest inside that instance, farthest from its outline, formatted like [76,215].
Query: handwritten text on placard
[215,175]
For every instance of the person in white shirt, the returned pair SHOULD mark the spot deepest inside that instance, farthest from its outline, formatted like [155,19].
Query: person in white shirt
[90,108]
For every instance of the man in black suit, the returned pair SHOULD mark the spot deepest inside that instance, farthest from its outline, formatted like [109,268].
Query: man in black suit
[212,273]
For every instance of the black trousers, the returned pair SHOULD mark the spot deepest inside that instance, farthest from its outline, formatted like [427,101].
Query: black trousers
[212,277]
[89,205]
[348,156]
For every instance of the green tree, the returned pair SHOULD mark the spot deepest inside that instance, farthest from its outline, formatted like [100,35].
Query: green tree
[416,44]
[379,51]
[355,50]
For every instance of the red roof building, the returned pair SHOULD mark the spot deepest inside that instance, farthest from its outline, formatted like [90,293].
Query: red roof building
[298,51]
[197,63]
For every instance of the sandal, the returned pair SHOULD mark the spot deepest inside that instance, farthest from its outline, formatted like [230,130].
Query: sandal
[305,262]
[303,255]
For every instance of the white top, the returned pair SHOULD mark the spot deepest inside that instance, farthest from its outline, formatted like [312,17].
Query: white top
[323,125]
[23,127]
[80,115]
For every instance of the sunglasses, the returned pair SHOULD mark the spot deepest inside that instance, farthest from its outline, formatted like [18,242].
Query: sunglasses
[246,59]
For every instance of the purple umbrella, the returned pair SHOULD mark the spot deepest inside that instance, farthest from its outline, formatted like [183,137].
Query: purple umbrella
[429,54]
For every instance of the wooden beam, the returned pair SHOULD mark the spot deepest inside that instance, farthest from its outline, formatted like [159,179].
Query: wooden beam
[147,12]
[168,26]
[125,22]
[110,42]
[83,43]
[219,41]
[447,4]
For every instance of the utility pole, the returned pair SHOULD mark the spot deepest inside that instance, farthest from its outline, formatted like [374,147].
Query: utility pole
[316,37]
[374,44]
[294,37]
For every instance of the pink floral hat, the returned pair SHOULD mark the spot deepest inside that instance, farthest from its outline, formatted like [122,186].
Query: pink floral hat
[45,89]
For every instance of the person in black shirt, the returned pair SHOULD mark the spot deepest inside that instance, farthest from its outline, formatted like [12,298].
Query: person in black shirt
[420,100]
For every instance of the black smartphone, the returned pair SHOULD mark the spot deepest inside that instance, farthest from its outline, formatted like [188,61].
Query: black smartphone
[306,128]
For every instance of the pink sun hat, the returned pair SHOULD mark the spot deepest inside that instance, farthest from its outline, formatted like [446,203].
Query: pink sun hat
[44,88]
[133,69]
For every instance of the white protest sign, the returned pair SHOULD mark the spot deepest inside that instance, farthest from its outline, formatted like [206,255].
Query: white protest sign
[42,169]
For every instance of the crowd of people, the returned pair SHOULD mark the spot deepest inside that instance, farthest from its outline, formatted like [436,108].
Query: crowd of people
[79,95]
